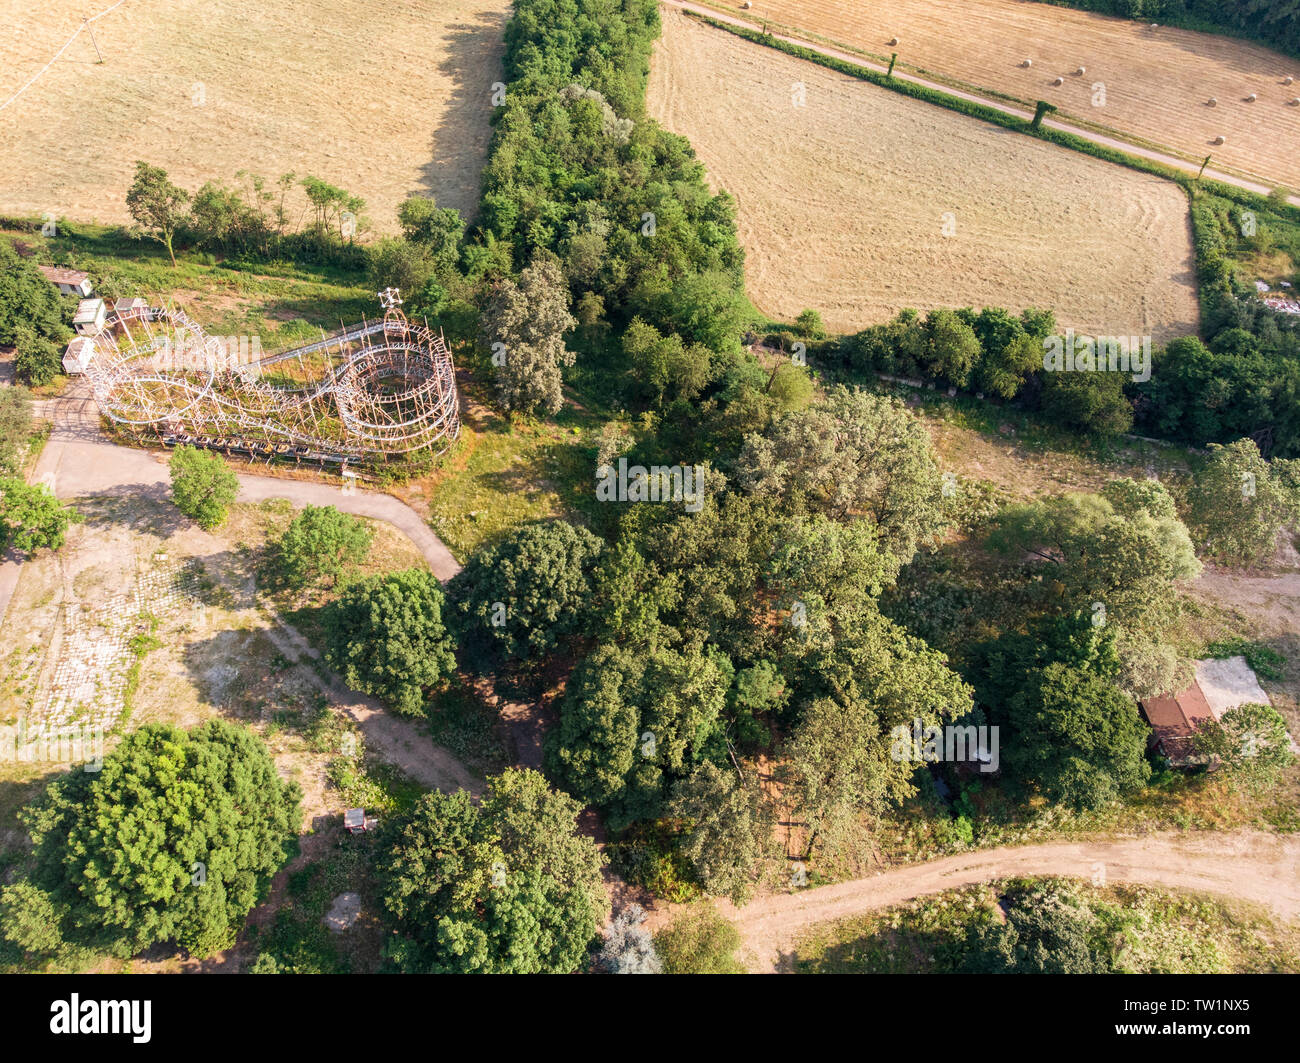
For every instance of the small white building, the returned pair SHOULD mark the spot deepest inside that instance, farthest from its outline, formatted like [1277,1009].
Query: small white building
[68,281]
[91,315]
[79,355]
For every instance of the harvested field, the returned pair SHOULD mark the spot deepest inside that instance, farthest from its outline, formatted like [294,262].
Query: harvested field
[844,201]
[383,101]
[1157,82]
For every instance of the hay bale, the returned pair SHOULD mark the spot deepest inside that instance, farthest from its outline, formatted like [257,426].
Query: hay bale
[746,6]
[1059,81]
[1251,98]
[1212,102]
[1287,80]
[1081,71]
[1295,101]
[1220,140]
[1027,63]
[893,41]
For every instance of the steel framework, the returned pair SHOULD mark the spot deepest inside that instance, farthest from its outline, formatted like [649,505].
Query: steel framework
[387,388]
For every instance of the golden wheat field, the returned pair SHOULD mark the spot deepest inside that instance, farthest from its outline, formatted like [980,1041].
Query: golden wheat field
[384,100]
[862,202]
[1156,84]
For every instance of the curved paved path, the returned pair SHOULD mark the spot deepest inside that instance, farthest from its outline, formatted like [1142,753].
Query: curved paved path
[1244,865]
[755,23]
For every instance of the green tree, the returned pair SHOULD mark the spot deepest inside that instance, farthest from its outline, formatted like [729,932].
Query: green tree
[28,301]
[699,941]
[522,596]
[857,454]
[952,349]
[1076,738]
[31,518]
[1047,931]
[843,760]
[1238,504]
[320,543]
[386,637]
[37,360]
[726,829]
[510,887]
[1108,549]
[203,488]
[635,718]
[157,205]
[174,839]
[528,321]
[1250,741]
[1089,401]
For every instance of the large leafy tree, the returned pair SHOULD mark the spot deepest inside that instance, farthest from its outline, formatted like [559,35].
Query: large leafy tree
[28,301]
[174,839]
[319,544]
[852,694]
[522,596]
[1122,548]
[529,319]
[203,488]
[1238,502]
[726,829]
[157,205]
[632,719]
[1047,931]
[1077,739]
[31,518]
[857,454]
[1250,741]
[386,637]
[510,887]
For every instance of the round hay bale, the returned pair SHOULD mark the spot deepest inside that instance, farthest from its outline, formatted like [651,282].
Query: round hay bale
[893,41]
[1059,81]
[746,6]
[1220,140]
[1213,101]
[1295,101]
[1251,98]
[1081,71]
[1287,80]
[1027,62]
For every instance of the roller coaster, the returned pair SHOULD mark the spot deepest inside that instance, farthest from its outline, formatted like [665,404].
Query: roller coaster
[366,393]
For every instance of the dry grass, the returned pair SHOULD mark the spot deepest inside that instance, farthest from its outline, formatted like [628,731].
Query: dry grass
[1156,82]
[843,200]
[384,101]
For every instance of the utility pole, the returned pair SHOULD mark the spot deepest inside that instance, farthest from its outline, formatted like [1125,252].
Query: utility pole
[86,22]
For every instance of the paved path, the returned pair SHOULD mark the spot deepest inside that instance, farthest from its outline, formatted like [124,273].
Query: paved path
[998,105]
[1245,865]
[78,461]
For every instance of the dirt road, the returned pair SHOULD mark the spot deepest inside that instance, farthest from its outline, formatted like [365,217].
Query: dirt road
[1250,866]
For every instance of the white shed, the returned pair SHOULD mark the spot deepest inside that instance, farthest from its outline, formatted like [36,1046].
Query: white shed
[79,355]
[91,315]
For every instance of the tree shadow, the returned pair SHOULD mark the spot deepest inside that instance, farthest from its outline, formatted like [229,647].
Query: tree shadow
[465,47]
[145,509]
